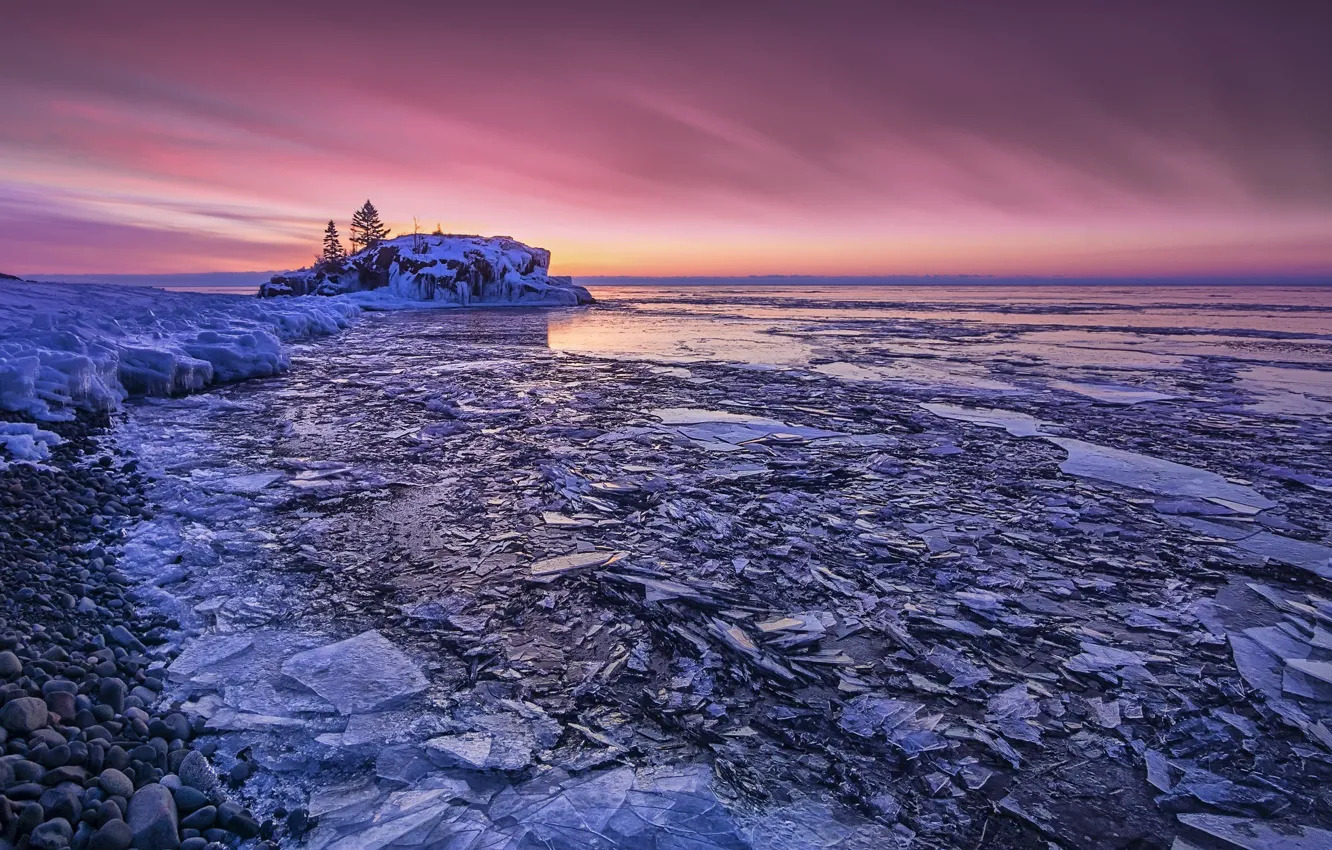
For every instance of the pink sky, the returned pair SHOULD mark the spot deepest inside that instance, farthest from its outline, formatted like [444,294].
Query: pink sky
[700,138]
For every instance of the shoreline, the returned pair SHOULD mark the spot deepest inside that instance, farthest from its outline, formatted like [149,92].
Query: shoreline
[92,759]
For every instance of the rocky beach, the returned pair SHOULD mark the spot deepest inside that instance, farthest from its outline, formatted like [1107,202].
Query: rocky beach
[94,758]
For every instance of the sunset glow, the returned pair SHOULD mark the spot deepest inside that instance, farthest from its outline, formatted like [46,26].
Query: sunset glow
[845,138]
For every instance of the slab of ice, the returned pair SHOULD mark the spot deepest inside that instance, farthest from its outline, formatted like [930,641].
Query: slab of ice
[480,751]
[243,484]
[1154,475]
[1111,393]
[1249,834]
[1314,557]
[1130,469]
[697,416]
[1290,391]
[958,375]
[719,430]
[1017,424]
[361,674]
[203,654]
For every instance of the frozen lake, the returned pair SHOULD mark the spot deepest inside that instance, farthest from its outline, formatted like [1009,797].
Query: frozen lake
[768,567]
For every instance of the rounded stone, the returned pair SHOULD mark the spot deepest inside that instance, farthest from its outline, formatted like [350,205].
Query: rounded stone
[115,783]
[114,835]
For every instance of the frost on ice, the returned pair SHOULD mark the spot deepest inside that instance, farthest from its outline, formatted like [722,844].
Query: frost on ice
[64,346]
[458,270]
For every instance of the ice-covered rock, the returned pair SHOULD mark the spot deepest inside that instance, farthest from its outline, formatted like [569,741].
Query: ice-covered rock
[452,269]
[361,674]
[25,441]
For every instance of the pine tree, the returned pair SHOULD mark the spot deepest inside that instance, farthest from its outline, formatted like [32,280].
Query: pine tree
[367,230]
[333,254]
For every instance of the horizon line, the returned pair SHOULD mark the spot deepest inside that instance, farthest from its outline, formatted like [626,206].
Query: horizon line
[1252,278]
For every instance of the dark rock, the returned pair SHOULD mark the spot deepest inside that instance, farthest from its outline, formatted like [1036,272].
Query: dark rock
[112,692]
[200,819]
[10,666]
[188,799]
[115,783]
[244,825]
[114,835]
[62,802]
[24,715]
[195,772]
[152,817]
[240,772]
[62,705]
[52,835]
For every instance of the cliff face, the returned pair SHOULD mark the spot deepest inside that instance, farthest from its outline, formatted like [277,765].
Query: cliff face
[461,270]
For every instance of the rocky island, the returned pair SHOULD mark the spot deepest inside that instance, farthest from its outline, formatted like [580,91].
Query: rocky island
[445,268]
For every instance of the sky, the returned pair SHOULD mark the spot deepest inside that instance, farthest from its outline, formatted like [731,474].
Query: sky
[1071,138]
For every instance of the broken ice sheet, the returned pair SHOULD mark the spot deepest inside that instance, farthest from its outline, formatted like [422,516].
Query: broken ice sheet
[1154,475]
[867,715]
[1236,833]
[204,653]
[550,568]
[1112,393]
[1014,702]
[361,674]
[1130,469]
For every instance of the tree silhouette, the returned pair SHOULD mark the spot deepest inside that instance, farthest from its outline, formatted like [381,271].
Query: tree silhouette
[367,230]
[333,252]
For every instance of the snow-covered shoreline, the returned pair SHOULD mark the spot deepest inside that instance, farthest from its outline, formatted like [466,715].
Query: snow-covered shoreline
[70,346]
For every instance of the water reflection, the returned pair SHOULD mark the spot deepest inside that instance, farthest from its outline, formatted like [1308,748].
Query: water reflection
[1142,341]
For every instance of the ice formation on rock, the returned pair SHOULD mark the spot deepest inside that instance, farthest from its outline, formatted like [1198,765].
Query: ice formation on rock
[460,270]
[81,345]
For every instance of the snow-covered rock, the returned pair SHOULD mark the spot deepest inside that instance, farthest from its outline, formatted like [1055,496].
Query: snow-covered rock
[84,345]
[461,270]
[24,441]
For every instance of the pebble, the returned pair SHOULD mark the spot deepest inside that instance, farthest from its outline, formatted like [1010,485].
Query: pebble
[115,783]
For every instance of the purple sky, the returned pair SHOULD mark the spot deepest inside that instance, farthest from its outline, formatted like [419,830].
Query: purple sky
[675,138]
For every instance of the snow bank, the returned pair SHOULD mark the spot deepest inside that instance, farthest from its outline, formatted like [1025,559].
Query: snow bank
[446,270]
[80,345]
